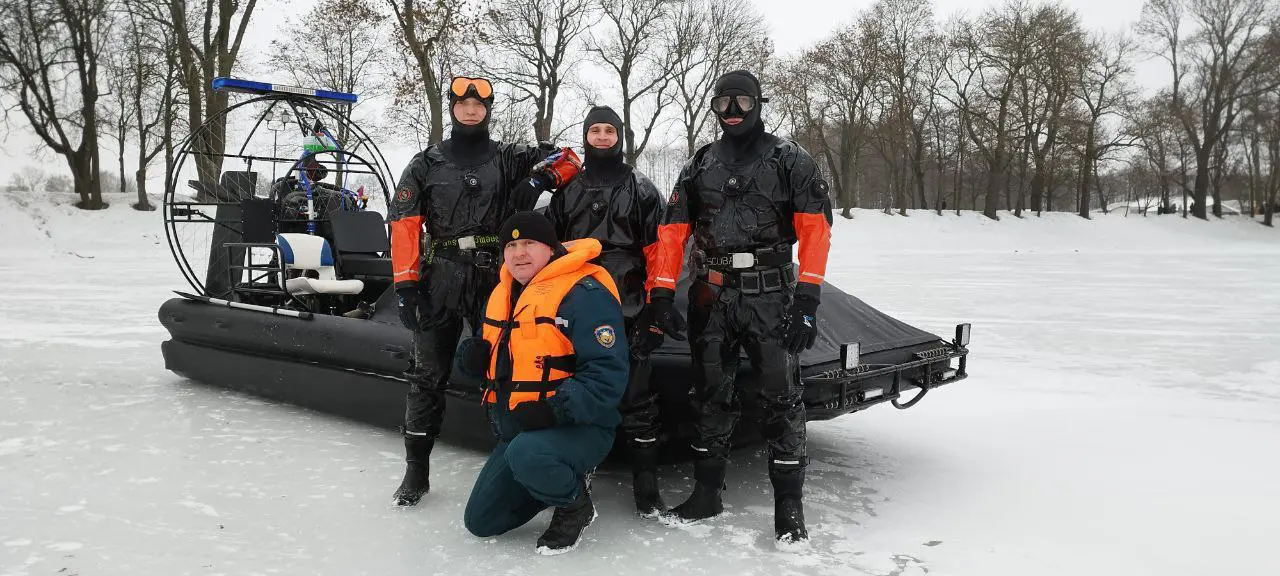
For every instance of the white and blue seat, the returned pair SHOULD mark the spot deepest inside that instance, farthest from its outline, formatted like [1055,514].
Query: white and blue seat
[309,253]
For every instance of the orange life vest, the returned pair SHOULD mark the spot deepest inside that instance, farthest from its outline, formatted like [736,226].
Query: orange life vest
[541,355]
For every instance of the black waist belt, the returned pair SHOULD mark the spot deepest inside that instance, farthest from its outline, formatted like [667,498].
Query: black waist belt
[747,260]
[467,242]
[753,281]
[481,250]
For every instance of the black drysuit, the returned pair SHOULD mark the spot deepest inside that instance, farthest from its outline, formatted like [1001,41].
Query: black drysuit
[621,208]
[759,195]
[463,188]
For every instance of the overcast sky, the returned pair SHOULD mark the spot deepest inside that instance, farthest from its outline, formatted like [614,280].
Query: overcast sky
[793,25]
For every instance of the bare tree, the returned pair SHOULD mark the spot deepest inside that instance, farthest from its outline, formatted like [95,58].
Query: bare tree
[1045,93]
[838,109]
[907,61]
[117,121]
[533,46]
[991,56]
[428,30]
[153,90]
[629,50]
[49,58]
[1215,62]
[1158,134]
[516,123]
[709,38]
[31,179]
[208,50]
[1102,88]
[347,59]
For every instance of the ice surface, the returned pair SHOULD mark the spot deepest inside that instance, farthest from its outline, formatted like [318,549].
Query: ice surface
[1122,417]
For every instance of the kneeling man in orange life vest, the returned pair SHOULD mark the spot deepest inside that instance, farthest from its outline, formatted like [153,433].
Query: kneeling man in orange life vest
[554,361]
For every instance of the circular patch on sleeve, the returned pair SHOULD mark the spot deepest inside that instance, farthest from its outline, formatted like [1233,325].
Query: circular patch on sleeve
[606,336]
[403,197]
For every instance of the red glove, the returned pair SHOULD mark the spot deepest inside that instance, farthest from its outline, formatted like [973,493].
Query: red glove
[560,167]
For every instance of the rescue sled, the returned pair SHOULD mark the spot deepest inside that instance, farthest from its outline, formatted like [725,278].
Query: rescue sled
[290,296]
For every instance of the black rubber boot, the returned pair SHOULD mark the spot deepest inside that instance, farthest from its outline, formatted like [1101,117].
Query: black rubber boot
[417,450]
[644,480]
[788,512]
[567,523]
[708,482]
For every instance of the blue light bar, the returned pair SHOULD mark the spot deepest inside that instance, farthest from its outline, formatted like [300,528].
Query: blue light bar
[252,87]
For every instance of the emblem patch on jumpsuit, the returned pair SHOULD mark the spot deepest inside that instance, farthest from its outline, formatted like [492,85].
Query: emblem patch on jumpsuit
[403,196]
[605,336]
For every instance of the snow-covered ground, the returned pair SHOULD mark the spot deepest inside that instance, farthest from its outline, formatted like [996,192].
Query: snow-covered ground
[1122,417]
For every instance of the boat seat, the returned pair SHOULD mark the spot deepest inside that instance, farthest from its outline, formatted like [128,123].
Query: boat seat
[312,254]
[360,240]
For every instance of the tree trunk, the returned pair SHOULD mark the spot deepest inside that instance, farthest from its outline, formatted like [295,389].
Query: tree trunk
[1201,190]
[956,185]
[1022,178]
[140,178]
[85,180]
[120,165]
[1097,185]
[917,170]
[1037,186]
[1270,208]
[1255,175]
[993,179]
[837,177]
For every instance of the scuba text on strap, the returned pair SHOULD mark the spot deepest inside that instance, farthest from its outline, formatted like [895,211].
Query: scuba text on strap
[745,260]
[468,242]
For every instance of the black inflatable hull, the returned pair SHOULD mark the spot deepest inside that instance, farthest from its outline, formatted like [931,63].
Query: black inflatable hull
[353,368]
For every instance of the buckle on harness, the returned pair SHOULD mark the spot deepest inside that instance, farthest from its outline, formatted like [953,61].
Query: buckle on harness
[484,259]
[743,260]
[467,243]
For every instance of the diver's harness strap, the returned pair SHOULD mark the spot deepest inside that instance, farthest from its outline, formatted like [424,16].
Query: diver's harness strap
[760,272]
[479,249]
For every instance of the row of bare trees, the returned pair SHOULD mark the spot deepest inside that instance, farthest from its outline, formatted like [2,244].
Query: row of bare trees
[138,72]
[1015,108]
[1019,108]
[134,71]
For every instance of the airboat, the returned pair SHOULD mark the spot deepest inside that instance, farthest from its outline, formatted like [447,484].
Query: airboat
[276,215]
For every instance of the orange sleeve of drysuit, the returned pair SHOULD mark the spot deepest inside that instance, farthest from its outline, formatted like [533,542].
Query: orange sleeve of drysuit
[665,257]
[406,224]
[653,213]
[406,247]
[814,234]
[811,215]
[650,263]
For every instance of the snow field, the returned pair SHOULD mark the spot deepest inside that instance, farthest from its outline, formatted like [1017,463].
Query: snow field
[1121,418]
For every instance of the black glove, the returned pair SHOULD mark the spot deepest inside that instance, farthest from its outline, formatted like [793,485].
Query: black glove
[410,301]
[472,357]
[526,192]
[534,415]
[663,315]
[644,338]
[799,328]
